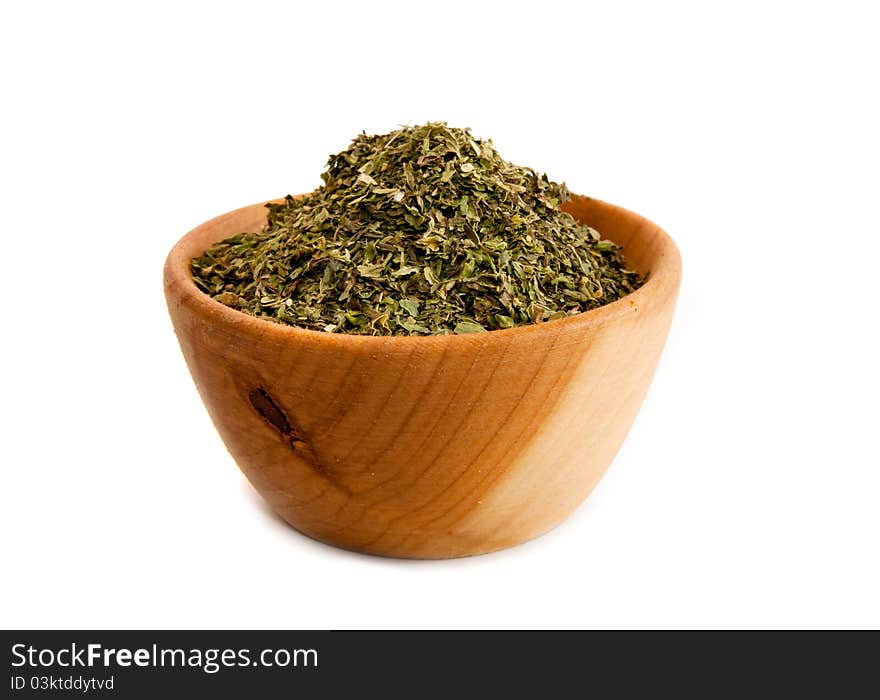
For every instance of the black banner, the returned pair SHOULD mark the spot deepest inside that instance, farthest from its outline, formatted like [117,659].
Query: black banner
[408,664]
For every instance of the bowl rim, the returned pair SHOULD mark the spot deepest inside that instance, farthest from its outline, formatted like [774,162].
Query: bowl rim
[664,275]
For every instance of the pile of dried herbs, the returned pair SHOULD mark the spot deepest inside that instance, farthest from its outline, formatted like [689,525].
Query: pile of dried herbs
[425,230]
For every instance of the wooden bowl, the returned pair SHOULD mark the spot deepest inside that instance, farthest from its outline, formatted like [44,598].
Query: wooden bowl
[427,447]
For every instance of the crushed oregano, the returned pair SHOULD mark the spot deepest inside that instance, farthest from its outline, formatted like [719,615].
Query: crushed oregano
[425,230]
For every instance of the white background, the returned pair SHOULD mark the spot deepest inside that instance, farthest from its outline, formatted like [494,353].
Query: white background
[747,492]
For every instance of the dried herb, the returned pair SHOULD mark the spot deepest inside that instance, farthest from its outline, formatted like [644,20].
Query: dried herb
[425,230]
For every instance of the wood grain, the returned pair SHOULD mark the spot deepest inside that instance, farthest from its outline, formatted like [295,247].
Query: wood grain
[427,447]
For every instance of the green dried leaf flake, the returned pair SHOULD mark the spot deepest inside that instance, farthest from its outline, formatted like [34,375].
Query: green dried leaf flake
[468,327]
[411,306]
[425,230]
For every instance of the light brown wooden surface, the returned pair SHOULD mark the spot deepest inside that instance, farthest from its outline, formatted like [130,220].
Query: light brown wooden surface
[427,447]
